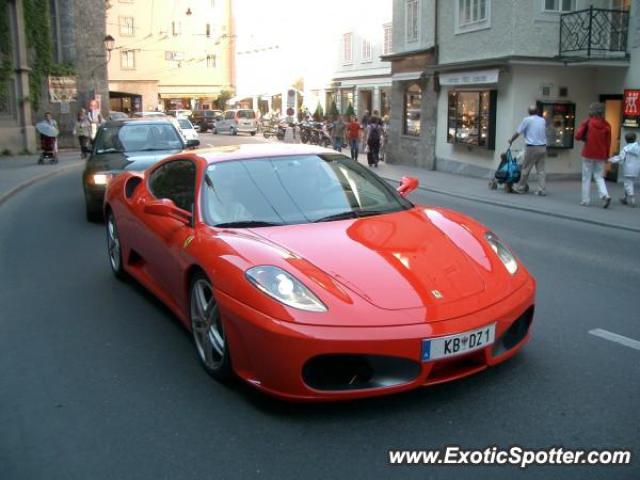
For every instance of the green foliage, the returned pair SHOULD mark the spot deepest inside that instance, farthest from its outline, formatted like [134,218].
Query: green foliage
[350,111]
[6,65]
[62,70]
[333,110]
[319,113]
[38,33]
[221,102]
[6,152]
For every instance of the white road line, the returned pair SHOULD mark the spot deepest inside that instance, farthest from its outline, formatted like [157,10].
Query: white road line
[614,337]
[209,145]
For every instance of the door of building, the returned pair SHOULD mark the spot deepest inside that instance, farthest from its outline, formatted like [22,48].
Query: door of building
[613,115]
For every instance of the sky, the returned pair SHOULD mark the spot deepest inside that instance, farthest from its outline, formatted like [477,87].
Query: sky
[307,34]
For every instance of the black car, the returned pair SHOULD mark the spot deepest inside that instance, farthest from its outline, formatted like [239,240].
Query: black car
[205,119]
[132,144]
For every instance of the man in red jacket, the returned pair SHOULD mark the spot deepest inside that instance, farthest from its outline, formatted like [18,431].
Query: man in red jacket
[595,132]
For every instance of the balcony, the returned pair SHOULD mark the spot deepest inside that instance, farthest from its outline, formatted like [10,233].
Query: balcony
[594,33]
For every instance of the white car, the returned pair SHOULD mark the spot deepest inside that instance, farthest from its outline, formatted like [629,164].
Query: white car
[237,121]
[187,130]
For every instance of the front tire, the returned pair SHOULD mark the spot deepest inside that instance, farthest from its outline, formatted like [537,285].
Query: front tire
[114,247]
[208,330]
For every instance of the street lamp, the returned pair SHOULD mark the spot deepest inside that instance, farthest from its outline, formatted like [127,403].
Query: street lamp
[109,44]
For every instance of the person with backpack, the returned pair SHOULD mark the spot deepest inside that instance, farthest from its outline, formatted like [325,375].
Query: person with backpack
[374,132]
[595,132]
[534,130]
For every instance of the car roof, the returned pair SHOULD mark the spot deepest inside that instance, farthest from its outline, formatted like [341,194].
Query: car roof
[139,121]
[258,150]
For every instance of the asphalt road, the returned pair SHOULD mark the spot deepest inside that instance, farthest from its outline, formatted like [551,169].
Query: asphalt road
[99,381]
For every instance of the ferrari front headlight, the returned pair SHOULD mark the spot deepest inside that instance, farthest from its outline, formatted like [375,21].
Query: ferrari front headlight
[504,254]
[284,287]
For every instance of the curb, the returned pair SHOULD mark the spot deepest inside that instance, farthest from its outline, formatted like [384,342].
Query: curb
[10,193]
[525,209]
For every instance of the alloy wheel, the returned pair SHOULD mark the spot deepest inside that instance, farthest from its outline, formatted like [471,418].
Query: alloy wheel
[206,324]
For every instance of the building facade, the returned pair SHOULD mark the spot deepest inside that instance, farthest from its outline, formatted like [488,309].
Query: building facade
[170,54]
[465,72]
[357,75]
[80,50]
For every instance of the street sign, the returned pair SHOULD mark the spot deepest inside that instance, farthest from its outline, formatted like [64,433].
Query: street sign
[631,111]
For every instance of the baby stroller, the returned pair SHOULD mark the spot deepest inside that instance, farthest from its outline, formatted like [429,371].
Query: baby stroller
[508,172]
[48,142]
[48,147]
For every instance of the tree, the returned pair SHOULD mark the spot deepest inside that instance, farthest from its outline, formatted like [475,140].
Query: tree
[333,110]
[319,113]
[221,102]
[350,111]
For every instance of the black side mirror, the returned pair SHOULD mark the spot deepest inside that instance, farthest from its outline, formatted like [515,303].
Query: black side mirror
[193,143]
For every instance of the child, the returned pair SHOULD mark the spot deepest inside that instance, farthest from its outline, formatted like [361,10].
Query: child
[630,156]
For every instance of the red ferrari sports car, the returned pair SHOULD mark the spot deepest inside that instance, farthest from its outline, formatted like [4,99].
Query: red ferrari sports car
[311,278]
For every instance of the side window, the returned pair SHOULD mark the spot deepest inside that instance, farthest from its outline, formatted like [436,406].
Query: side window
[176,181]
[229,115]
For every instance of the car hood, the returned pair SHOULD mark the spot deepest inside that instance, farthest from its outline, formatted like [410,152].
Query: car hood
[415,258]
[135,161]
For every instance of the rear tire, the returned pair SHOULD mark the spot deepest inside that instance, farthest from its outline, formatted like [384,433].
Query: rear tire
[93,215]
[207,329]
[233,131]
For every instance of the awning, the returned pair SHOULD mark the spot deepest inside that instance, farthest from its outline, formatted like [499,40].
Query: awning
[407,75]
[474,77]
[189,91]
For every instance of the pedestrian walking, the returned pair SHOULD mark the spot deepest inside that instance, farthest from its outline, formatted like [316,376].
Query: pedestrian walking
[82,130]
[534,130]
[95,118]
[337,130]
[595,132]
[353,135]
[374,132]
[629,157]
[364,122]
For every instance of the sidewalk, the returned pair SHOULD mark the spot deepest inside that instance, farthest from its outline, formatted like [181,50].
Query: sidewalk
[562,200]
[19,172]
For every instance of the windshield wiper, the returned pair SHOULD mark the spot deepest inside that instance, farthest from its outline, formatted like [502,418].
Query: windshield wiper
[155,149]
[247,224]
[338,216]
[352,214]
[109,150]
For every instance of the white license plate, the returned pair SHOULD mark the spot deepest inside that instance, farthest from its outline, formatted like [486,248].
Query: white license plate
[452,345]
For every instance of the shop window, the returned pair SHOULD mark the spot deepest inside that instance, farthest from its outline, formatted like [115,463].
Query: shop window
[472,118]
[561,121]
[412,107]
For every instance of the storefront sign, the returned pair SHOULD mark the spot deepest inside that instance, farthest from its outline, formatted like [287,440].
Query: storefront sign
[631,112]
[470,78]
[62,89]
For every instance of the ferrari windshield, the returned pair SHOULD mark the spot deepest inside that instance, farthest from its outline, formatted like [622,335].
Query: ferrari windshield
[293,190]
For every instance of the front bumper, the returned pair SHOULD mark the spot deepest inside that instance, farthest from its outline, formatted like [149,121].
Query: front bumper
[275,356]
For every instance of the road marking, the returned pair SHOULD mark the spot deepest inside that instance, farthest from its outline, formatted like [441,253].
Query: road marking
[209,145]
[614,337]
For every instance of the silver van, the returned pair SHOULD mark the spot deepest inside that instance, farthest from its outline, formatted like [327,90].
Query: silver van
[237,121]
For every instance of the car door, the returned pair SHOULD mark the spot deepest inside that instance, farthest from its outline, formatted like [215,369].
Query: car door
[164,249]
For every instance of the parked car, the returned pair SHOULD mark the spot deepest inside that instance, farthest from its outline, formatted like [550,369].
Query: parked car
[148,114]
[187,130]
[118,116]
[237,121]
[181,113]
[205,119]
[124,145]
[234,242]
